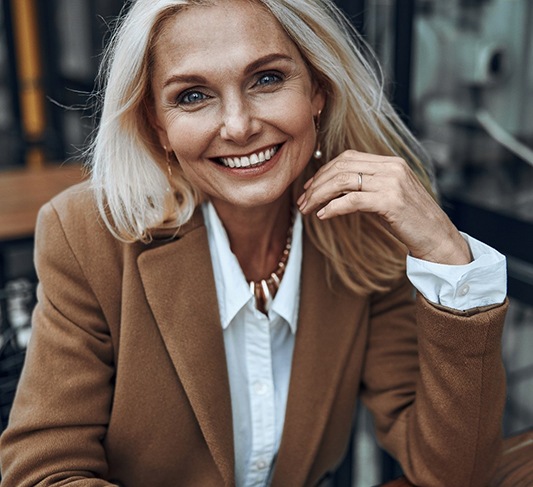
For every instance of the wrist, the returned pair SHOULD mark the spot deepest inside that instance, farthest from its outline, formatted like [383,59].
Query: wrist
[450,251]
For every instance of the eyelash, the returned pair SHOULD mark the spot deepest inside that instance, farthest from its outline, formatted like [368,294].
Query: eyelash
[275,78]
[278,77]
[181,100]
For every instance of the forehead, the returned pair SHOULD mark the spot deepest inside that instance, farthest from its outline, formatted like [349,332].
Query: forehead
[222,33]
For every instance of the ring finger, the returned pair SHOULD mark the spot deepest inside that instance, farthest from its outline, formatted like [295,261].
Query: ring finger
[332,185]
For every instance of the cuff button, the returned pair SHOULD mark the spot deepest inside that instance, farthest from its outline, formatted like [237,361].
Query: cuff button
[464,290]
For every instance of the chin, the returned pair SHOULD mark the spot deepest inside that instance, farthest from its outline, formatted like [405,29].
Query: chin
[255,200]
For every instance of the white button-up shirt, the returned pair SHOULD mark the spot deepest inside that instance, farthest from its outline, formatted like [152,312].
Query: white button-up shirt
[259,348]
[258,352]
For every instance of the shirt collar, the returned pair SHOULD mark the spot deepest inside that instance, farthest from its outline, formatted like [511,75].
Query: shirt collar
[233,292]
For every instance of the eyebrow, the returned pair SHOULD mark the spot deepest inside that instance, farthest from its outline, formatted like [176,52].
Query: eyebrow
[185,78]
[269,58]
[253,66]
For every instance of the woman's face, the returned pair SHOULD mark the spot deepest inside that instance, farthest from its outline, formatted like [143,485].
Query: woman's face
[235,102]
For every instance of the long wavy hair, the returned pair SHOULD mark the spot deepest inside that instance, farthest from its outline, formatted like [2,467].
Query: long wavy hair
[128,164]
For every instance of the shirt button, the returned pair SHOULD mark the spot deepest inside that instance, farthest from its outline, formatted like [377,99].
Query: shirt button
[261,465]
[463,291]
[260,388]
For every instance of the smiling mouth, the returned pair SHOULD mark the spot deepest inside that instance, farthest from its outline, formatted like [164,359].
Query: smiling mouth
[251,160]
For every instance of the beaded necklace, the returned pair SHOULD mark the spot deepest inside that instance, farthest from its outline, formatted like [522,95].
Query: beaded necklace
[265,290]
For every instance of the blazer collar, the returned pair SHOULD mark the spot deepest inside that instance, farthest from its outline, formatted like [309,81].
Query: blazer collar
[327,326]
[178,280]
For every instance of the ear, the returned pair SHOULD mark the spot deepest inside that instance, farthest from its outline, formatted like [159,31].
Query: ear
[162,136]
[155,122]
[318,98]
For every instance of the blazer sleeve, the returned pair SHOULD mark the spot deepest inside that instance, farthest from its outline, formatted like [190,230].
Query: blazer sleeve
[62,405]
[436,387]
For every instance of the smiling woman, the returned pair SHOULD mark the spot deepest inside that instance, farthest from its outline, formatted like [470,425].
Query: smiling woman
[222,94]
[239,270]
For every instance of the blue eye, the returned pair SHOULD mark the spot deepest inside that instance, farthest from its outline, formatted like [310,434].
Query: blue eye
[268,79]
[191,97]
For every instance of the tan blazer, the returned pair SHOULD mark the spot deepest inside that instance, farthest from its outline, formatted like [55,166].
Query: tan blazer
[125,381]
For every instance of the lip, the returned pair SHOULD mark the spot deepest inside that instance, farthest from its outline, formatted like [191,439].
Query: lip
[251,170]
[256,151]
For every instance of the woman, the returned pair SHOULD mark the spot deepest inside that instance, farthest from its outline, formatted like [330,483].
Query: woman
[232,279]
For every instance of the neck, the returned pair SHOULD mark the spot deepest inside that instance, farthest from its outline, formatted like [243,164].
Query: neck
[258,235]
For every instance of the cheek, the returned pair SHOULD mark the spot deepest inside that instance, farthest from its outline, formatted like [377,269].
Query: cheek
[189,139]
[304,130]
[295,117]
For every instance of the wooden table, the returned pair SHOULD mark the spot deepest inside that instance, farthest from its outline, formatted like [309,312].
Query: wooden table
[23,192]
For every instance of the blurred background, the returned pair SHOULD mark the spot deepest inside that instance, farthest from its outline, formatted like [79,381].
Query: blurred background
[459,72]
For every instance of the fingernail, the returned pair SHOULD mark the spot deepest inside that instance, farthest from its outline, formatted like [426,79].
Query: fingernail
[308,183]
[303,205]
[301,199]
[321,213]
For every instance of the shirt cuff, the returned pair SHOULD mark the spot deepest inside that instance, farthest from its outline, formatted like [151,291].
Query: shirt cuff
[483,282]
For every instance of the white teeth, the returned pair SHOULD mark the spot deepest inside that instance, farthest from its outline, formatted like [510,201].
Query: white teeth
[251,160]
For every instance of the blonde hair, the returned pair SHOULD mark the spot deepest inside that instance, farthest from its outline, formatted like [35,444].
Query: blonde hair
[128,164]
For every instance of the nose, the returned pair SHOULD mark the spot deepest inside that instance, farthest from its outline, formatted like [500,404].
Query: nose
[239,123]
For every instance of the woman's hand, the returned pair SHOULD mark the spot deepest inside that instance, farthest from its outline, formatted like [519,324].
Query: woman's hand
[356,181]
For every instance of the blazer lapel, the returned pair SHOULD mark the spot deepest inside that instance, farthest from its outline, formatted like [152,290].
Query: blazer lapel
[327,324]
[178,280]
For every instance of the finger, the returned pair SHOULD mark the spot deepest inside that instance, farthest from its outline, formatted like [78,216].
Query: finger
[338,185]
[343,164]
[343,173]
[330,187]
[308,183]
[352,156]
[367,172]
[352,203]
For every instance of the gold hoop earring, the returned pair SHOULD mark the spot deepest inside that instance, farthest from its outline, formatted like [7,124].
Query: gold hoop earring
[169,167]
[318,153]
